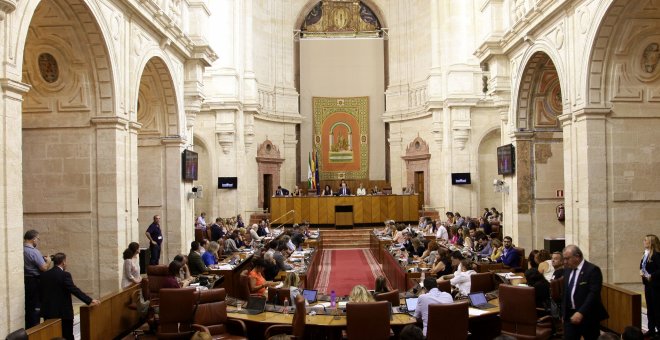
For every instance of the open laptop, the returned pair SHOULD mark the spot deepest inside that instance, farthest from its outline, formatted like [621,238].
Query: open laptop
[411,305]
[256,305]
[478,300]
[309,295]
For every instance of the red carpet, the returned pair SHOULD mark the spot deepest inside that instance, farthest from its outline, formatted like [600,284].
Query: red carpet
[342,269]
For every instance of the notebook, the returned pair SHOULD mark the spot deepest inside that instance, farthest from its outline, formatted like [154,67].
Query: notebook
[309,295]
[478,300]
[256,305]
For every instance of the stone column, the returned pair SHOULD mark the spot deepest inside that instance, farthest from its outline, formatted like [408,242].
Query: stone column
[133,224]
[11,198]
[111,185]
[520,189]
[590,223]
[177,220]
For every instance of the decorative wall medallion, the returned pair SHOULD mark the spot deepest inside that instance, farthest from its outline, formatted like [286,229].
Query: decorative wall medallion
[48,68]
[559,37]
[585,20]
[650,57]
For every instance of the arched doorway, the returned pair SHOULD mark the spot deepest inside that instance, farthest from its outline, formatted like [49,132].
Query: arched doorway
[487,158]
[539,153]
[159,158]
[69,137]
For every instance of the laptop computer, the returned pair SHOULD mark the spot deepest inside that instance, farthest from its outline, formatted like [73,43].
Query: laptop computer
[309,295]
[478,300]
[411,305]
[256,305]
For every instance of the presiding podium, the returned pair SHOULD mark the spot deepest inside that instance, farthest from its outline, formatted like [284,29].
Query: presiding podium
[344,215]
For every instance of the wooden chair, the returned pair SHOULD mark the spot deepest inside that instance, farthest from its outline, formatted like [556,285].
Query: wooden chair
[391,296]
[441,315]
[518,314]
[368,320]
[481,282]
[176,313]
[297,328]
[211,316]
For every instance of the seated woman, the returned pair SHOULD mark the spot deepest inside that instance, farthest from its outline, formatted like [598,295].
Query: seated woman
[461,279]
[254,235]
[258,283]
[360,293]
[531,259]
[544,259]
[381,285]
[496,245]
[131,273]
[272,269]
[453,235]
[210,257]
[442,265]
[399,236]
[170,280]
[184,278]
[327,191]
[428,254]
[417,247]
[291,282]
[541,288]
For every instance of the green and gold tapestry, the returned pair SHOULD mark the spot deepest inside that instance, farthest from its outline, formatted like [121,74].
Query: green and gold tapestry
[341,135]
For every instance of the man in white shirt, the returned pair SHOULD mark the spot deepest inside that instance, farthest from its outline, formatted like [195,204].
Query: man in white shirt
[461,279]
[201,221]
[442,236]
[433,296]
[361,191]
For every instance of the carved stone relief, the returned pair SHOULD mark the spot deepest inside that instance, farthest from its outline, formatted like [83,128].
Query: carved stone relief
[542,152]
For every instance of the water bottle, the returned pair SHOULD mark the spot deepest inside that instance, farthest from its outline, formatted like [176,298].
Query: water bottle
[422,277]
[286,306]
[333,299]
[238,305]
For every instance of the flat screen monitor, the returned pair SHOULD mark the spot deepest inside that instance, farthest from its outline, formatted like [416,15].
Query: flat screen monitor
[506,160]
[189,162]
[461,178]
[227,182]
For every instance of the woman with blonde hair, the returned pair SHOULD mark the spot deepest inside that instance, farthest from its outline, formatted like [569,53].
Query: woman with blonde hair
[360,293]
[291,282]
[649,269]
[210,256]
[496,244]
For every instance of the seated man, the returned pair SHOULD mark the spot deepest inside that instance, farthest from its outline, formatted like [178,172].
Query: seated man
[344,190]
[486,249]
[433,296]
[558,264]
[195,262]
[510,256]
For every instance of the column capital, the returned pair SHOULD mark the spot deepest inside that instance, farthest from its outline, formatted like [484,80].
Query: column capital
[110,123]
[6,7]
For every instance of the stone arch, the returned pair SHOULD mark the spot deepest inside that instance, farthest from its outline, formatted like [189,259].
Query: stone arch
[269,162]
[523,91]
[156,79]
[311,3]
[96,33]
[417,160]
[614,73]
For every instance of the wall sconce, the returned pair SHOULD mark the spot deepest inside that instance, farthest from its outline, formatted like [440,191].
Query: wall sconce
[500,186]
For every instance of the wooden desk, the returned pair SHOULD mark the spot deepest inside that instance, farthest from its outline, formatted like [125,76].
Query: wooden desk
[623,306]
[398,275]
[51,328]
[366,209]
[232,280]
[110,318]
[377,246]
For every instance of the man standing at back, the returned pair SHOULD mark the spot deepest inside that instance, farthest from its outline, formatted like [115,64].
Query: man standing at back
[56,287]
[582,307]
[33,265]
[434,295]
[155,237]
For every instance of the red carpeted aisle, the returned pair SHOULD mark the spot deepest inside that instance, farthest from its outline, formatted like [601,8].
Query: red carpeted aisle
[342,269]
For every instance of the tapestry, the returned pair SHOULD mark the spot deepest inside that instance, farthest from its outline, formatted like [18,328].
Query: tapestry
[341,134]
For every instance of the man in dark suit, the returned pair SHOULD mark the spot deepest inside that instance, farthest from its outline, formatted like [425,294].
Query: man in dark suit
[56,287]
[582,307]
[344,190]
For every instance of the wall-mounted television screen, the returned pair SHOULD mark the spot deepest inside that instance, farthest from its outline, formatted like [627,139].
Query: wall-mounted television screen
[227,182]
[506,160]
[189,162]
[460,178]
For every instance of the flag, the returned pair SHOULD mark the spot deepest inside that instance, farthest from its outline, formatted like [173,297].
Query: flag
[316,171]
[310,174]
